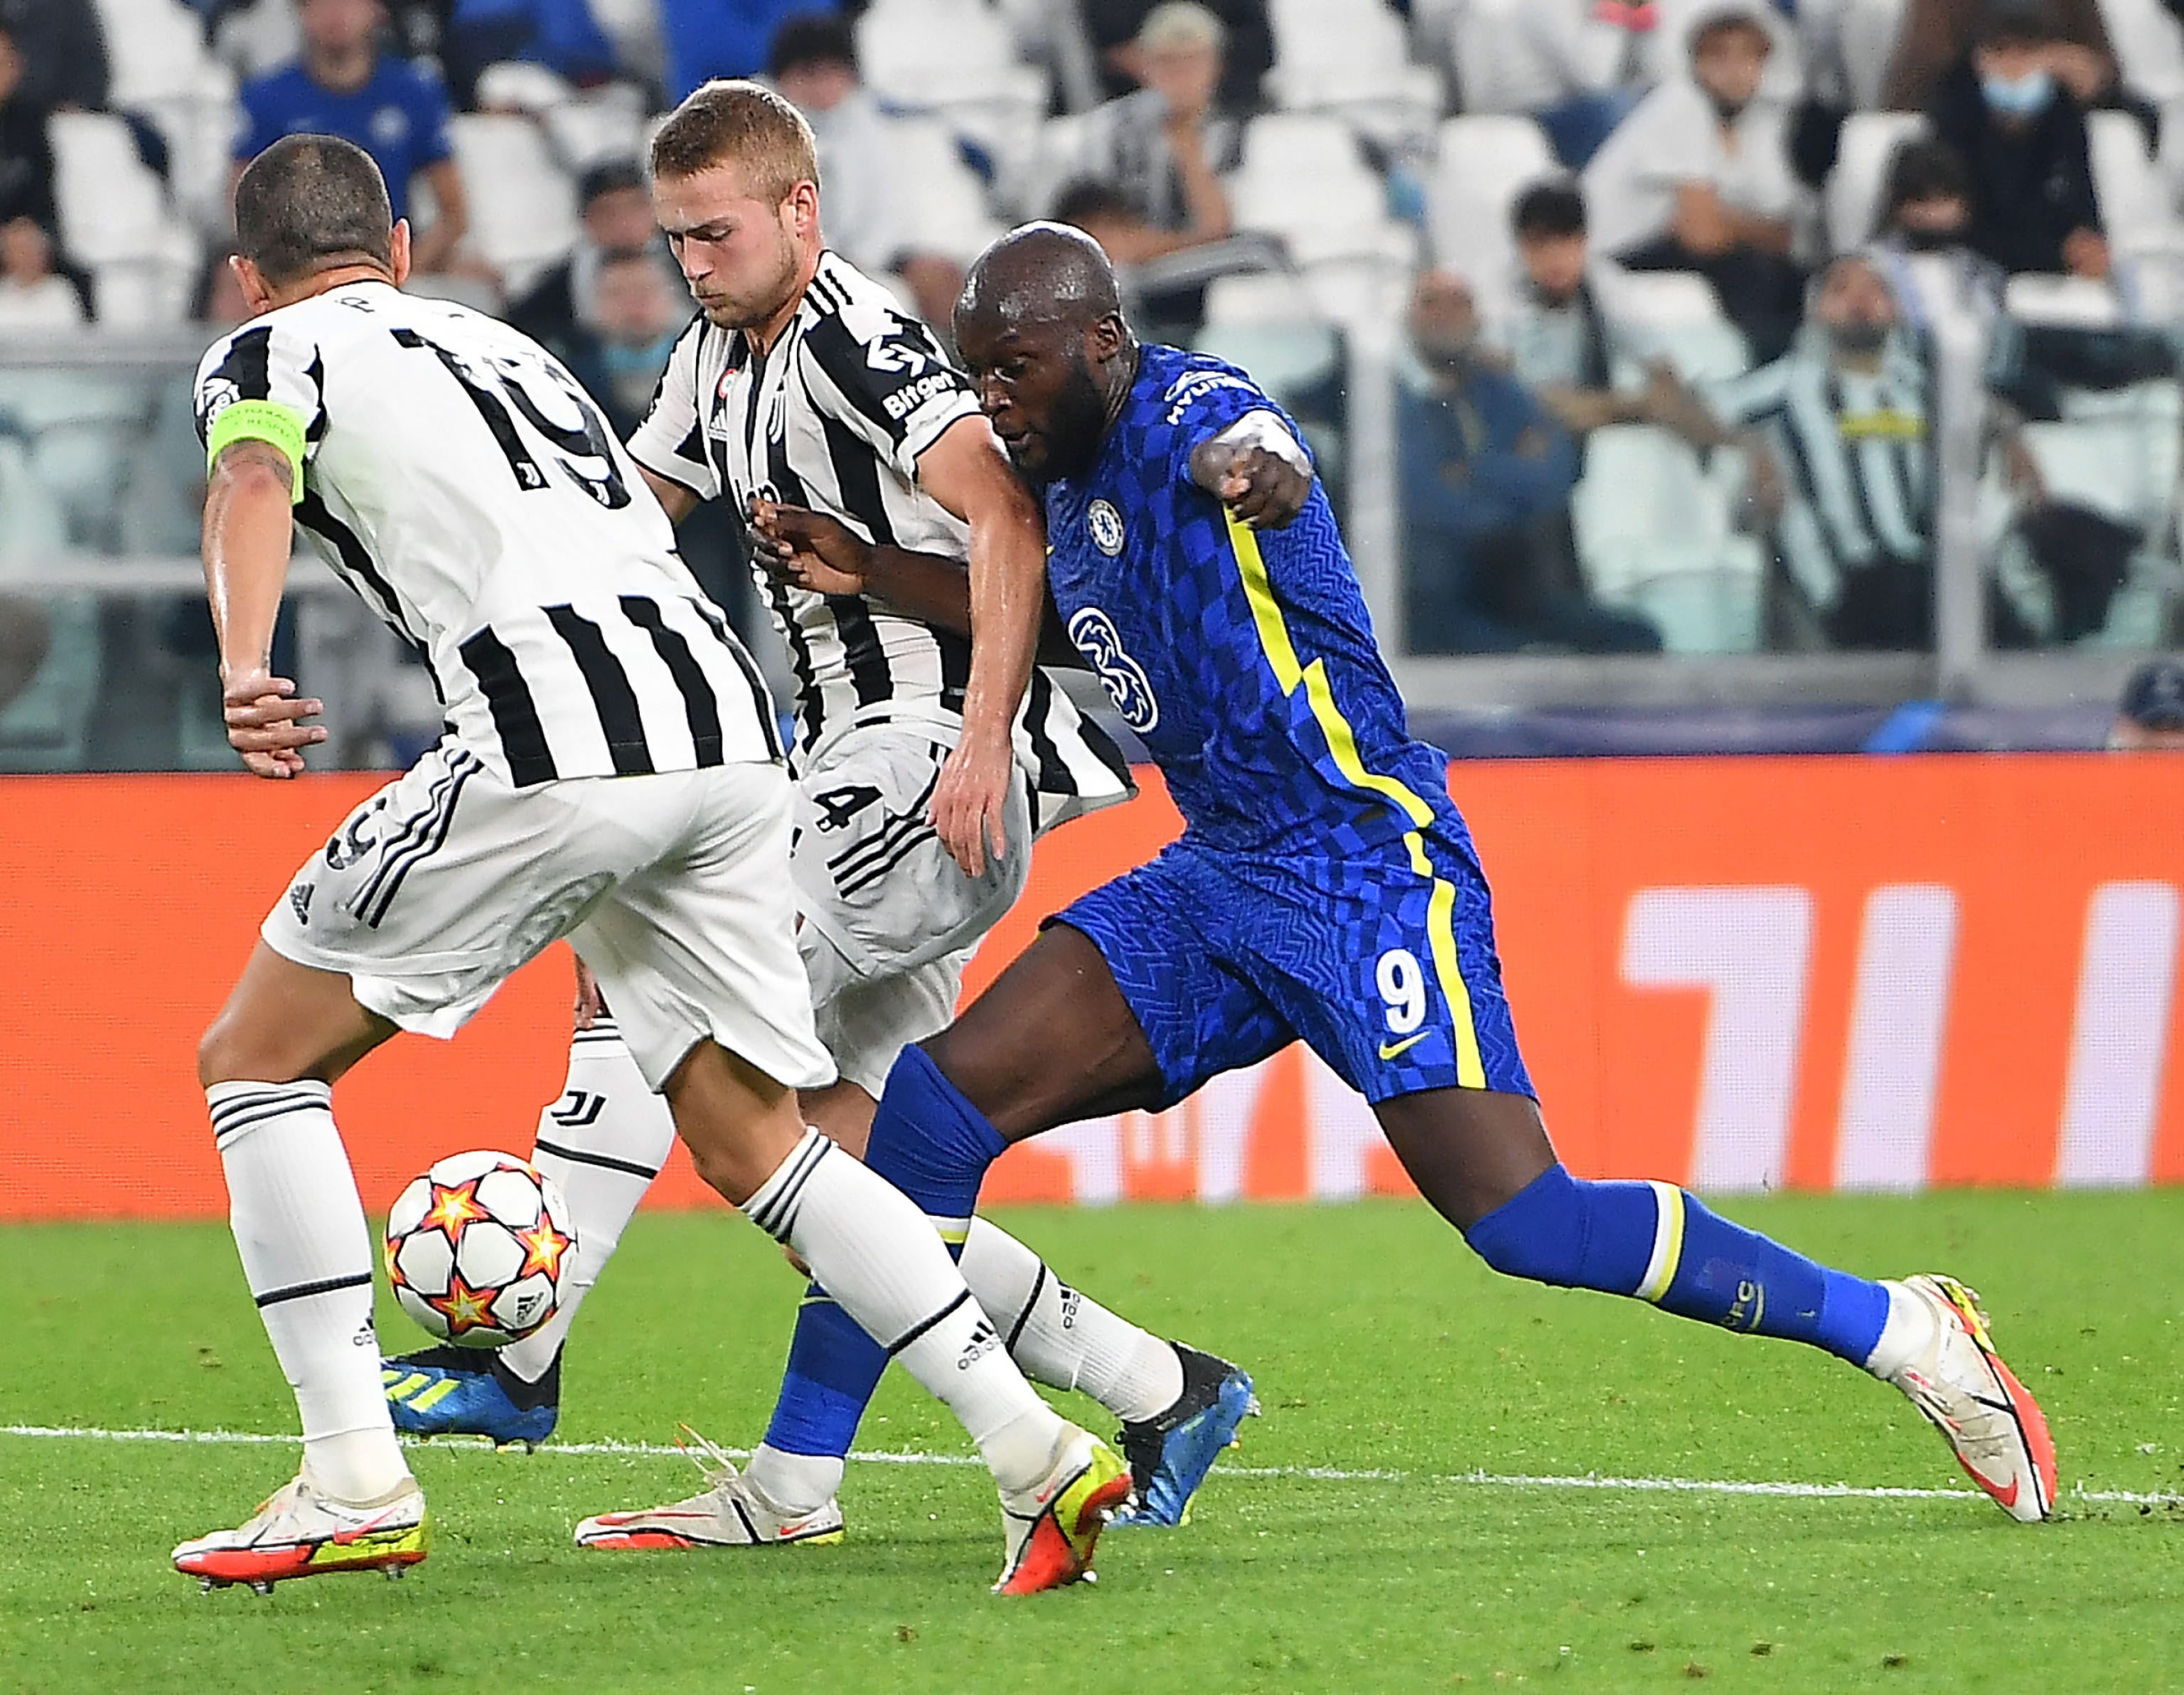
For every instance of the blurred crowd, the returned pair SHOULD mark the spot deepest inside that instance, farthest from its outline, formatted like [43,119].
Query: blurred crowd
[1661,276]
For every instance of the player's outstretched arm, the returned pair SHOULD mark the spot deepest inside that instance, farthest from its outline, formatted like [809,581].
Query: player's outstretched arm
[810,551]
[967,472]
[1257,470]
[246,564]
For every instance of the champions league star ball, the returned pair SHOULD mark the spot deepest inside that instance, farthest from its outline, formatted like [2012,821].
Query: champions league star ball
[478,1249]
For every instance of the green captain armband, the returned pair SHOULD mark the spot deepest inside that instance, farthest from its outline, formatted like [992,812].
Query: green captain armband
[259,421]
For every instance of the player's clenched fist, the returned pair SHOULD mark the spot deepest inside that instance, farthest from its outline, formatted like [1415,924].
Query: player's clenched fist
[265,722]
[1264,490]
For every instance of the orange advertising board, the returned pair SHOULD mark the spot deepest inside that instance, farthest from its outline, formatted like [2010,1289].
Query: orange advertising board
[1820,973]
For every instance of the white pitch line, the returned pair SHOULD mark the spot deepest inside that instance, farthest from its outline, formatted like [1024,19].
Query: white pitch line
[1317,1474]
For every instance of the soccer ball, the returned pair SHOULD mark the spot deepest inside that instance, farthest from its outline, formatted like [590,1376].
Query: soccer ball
[478,1249]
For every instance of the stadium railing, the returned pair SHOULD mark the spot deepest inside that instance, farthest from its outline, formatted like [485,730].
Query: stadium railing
[2042,606]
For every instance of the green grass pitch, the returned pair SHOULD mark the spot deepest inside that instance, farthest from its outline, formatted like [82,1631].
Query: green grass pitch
[1379,1346]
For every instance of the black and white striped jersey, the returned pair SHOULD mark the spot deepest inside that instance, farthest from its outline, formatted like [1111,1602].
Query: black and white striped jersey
[1853,447]
[460,481]
[834,417]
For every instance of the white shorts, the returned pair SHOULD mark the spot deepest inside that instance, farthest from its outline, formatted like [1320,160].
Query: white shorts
[671,888]
[889,918]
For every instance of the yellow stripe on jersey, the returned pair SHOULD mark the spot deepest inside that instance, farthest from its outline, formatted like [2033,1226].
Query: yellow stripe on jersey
[1440,931]
[259,421]
[1667,1242]
[1281,654]
[1342,744]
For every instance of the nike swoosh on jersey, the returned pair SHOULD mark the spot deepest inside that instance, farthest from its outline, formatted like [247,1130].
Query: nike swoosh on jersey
[1390,1050]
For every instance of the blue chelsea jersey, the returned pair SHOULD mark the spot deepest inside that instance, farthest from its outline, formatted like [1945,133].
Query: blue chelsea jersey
[1245,661]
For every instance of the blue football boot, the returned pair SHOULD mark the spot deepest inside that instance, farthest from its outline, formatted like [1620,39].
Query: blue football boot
[1170,1455]
[452,1391]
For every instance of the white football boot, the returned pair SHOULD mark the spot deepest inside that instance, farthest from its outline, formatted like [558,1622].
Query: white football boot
[1990,1420]
[298,1532]
[730,1513]
[1054,1527]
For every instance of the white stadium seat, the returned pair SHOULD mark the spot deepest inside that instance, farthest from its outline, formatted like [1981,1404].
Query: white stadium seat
[1482,163]
[599,126]
[154,48]
[1261,298]
[523,207]
[163,72]
[1676,316]
[114,218]
[1867,31]
[2134,201]
[1860,178]
[947,202]
[2066,302]
[2149,48]
[956,58]
[1303,179]
[1653,532]
[1352,56]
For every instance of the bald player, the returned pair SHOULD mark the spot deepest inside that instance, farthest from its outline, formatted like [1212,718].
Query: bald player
[1325,889]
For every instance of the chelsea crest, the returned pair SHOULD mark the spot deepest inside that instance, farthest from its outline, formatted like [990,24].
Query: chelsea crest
[1106,526]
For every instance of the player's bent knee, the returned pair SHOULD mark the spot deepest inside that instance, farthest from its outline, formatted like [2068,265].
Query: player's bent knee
[1539,1233]
[1535,1259]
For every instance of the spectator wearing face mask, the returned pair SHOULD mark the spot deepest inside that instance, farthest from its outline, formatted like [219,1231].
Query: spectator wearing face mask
[2022,136]
[1842,472]
[1937,33]
[1699,178]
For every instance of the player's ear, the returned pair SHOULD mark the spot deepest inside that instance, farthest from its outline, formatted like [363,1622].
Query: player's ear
[803,209]
[1107,337]
[257,294]
[398,250]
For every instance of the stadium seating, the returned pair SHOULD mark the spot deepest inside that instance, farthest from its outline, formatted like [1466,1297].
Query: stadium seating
[598,124]
[116,221]
[947,202]
[1304,180]
[1351,57]
[2135,204]
[1675,315]
[1654,534]
[956,58]
[2071,302]
[2149,48]
[1854,191]
[1481,164]
[523,207]
[162,71]
[1866,33]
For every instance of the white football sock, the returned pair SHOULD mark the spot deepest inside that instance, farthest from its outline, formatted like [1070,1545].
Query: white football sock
[1907,1333]
[306,1252]
[797,1483]
[1062,1337]
[602,1141]
[870,1248]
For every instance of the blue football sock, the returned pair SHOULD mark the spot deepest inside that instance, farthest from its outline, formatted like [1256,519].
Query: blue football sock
[1654,1242]
[934,1146]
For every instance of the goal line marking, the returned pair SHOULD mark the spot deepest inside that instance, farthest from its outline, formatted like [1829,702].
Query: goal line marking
[1317,1474]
